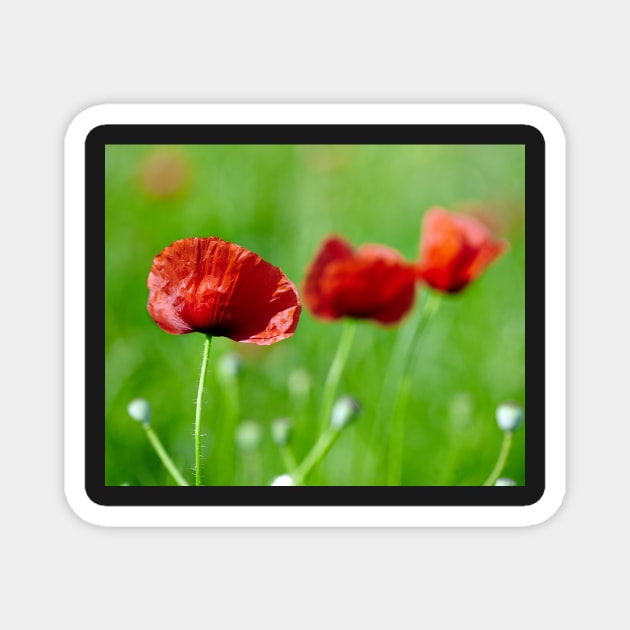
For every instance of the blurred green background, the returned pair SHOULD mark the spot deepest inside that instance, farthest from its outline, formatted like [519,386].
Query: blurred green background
[280,201]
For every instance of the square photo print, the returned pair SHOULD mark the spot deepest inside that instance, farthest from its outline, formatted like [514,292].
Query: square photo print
[350,300]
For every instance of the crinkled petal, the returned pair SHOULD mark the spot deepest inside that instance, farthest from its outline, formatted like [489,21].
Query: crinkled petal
[218,288]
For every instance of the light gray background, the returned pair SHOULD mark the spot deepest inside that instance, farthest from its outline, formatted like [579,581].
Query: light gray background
[59,58]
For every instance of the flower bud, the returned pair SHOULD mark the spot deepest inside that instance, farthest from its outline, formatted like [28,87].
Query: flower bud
[281,430]
[248,435]
[509,416]
[140,410]
[283,480]
[504,481]
[346,409]
[229,365]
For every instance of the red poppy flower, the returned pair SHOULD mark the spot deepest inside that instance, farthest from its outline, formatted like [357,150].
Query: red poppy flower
[221,289]
[373,282]
[455,249]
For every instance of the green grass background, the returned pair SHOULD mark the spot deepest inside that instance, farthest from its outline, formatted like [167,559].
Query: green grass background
[281,201]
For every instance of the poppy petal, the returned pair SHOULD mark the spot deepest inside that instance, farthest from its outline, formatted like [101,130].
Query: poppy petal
[218,288]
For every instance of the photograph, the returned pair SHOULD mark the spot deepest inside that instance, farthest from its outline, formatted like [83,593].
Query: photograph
[310,314]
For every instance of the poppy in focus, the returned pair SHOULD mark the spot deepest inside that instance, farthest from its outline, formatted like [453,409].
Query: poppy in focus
[455,249]
[210,286]
[373,282]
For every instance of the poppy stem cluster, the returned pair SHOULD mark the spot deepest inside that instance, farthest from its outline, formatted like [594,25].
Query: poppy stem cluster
[374,282]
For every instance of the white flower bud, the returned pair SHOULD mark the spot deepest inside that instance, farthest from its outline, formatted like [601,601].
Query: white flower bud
[509,416]
[248,435]
[140,410]
[504,481]
[283,480]
[346,409]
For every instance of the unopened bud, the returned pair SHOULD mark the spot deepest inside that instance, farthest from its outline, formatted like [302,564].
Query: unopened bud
[140,410]
[281,430]
[504,481]
[283,480]
[509,416]
[248,435]
[346,409]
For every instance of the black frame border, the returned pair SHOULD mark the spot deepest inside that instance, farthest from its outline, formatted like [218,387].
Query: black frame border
[385,496]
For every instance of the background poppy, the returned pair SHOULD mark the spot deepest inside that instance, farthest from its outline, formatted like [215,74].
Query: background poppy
[374,282]
[455,249]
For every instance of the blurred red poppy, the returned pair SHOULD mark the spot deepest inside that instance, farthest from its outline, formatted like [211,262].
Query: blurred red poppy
[210,286]
[373,282]
[455,249]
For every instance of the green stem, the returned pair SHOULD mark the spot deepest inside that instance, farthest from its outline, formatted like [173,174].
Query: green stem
[398,370]
[163,455]
[334,373]
[202,379]
[503,456]
[315,455]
